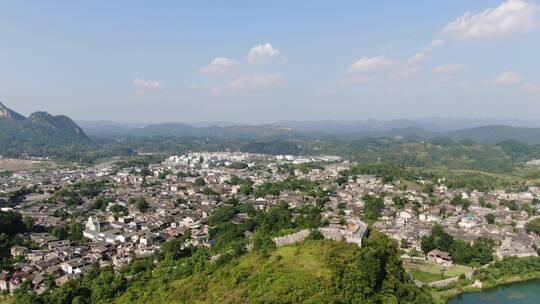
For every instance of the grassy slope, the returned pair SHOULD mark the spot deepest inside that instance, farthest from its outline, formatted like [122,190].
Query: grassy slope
[426,271]
[6,300]
[291,274]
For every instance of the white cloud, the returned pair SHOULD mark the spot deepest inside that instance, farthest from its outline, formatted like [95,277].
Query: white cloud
[395,68]
[531,88]
[147,84]
[511,78]
[218,65]
[507,78]
[449,68]
[510,17]
[367,64]
[435,44]
[262,53]
[143,85]
[417,58]
[423,54]
[257,81]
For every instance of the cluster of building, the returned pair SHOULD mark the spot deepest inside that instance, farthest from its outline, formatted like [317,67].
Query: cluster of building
[178,207]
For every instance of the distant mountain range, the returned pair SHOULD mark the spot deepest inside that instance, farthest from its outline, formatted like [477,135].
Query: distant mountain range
[428,124]
[209,129]
[39,133]
[107,128]
[479,131]
[45,134]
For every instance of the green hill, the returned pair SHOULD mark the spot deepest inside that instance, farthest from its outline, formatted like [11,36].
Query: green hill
[311,272]
[40,134]
[315,271]
[291,274]
[497,133]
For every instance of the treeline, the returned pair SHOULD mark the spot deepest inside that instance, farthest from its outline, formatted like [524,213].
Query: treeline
[479,253]
[376,275]
[11,224]
[141,161]
[304,167]
[73,194]
[389,172]
[465,155]
[502,157]
[277,147]
[230,224]
[509,268]
[292,184]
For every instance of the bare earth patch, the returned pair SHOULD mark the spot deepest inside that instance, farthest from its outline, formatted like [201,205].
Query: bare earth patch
[17,165]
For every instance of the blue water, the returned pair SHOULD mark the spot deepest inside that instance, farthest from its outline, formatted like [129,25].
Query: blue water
[518,293]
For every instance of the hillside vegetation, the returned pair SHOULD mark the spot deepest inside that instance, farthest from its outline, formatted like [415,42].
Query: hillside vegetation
[291,274]
[41,134]
[316,271]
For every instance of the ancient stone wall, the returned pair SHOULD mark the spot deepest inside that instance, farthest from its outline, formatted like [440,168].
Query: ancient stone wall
[291,238]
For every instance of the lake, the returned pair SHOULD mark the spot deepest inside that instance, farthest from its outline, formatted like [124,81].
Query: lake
[518,293]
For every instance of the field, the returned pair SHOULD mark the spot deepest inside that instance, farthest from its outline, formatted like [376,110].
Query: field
[426,272]
[17,165]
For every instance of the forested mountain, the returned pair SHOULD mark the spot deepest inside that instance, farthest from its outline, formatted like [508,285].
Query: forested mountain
[496,133]
[428,124]
[39,134]
[180,129]
[107,128]
[407,129]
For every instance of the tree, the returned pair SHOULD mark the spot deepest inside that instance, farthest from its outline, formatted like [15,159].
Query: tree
[512,205]
[199,182]
[118,210]
[460,201]
[235,180]
[403,243]
[480,253]
[533,226]
[60,232]
[438,239]
[140,203]
[142,206]
[238,165]
[376,275]
[11,223]
[315,234]
[222,214]
[276,218]
[172,250]
[106,286]
[102,202]
[527,208]
[263,242]
[342,180]
[373,207]
[246,189]
[308,217]
[490,218]
[75,232]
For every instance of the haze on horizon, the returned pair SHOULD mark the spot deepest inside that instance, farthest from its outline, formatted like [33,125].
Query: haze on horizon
[260,62]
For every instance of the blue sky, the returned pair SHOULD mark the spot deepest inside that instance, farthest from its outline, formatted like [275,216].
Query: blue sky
[258,62]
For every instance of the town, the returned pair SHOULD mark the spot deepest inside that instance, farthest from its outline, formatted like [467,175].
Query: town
[112,213]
